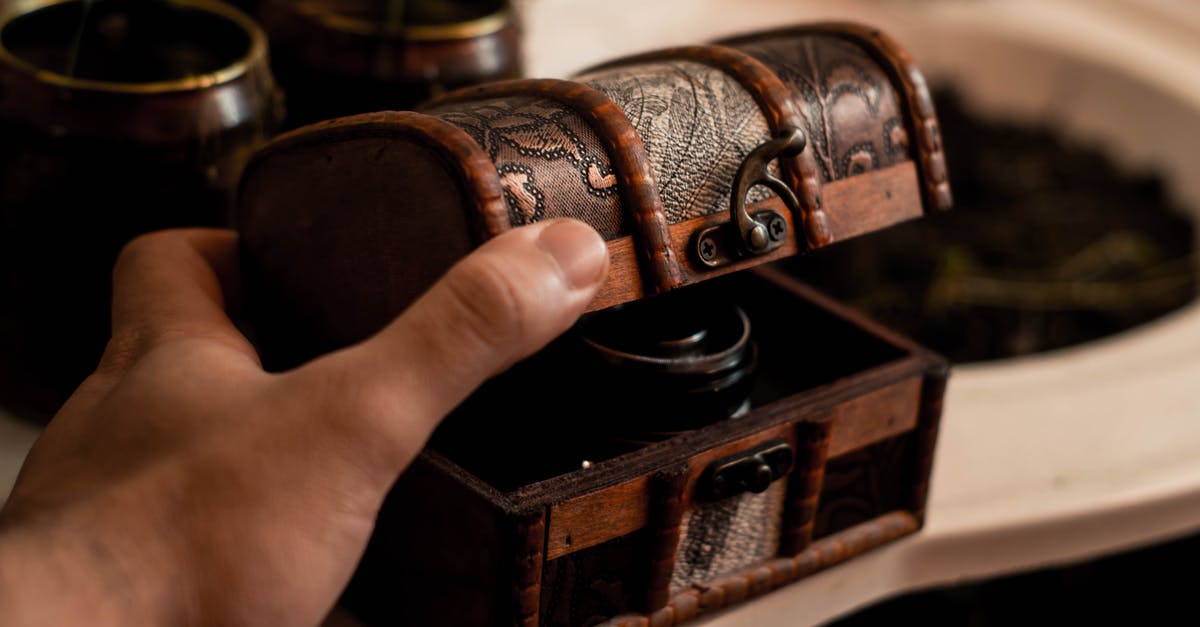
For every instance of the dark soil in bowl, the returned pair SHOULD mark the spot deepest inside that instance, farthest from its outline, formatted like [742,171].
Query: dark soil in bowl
[1049,245]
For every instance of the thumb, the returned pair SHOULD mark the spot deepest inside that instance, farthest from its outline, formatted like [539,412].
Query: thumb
[498,305]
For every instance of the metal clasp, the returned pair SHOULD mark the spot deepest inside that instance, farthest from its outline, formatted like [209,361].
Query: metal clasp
[752,471]
[746,235]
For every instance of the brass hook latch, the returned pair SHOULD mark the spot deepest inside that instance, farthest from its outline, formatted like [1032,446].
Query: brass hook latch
[750,235]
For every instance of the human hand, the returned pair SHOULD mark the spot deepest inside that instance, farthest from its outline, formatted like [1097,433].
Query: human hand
[183,485]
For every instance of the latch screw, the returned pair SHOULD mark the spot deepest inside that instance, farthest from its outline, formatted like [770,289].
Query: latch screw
[776,227]
[707,248]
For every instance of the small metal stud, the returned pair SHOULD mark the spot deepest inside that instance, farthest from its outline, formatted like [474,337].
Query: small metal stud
[708,248]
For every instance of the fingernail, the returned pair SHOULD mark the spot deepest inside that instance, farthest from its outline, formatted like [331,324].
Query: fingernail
[577,249]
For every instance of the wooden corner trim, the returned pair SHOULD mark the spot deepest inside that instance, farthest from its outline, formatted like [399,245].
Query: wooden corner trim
[530,534]
[666,520]
[804,486]
[479,172]
[639,189]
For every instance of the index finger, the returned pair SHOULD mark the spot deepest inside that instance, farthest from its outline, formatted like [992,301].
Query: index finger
[173,284]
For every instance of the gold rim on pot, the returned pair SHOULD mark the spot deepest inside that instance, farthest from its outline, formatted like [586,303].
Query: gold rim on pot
[477,27]
[256,53]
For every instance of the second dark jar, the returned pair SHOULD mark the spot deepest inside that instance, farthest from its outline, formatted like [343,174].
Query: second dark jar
[341,57]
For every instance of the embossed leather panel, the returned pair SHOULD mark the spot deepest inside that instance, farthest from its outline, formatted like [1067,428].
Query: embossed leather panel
[853,116]
[697,123]
[550,161]
[728,536]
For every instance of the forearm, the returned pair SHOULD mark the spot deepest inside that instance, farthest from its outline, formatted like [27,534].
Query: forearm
[51,576]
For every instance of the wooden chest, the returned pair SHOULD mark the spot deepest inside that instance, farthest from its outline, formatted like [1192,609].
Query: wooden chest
[608,478]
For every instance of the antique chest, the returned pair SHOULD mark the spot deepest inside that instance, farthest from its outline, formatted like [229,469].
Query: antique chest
[713,429]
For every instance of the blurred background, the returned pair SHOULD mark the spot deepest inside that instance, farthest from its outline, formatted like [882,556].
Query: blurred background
[1063,284]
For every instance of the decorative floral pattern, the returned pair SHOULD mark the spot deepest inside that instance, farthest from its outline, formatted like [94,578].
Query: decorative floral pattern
[697,124]
[852,114]
[551,163]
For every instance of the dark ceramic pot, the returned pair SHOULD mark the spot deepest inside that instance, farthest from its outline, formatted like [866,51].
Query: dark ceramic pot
[342,57]
[118,118]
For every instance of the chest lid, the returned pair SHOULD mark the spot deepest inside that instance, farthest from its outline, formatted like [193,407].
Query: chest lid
[691,162]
